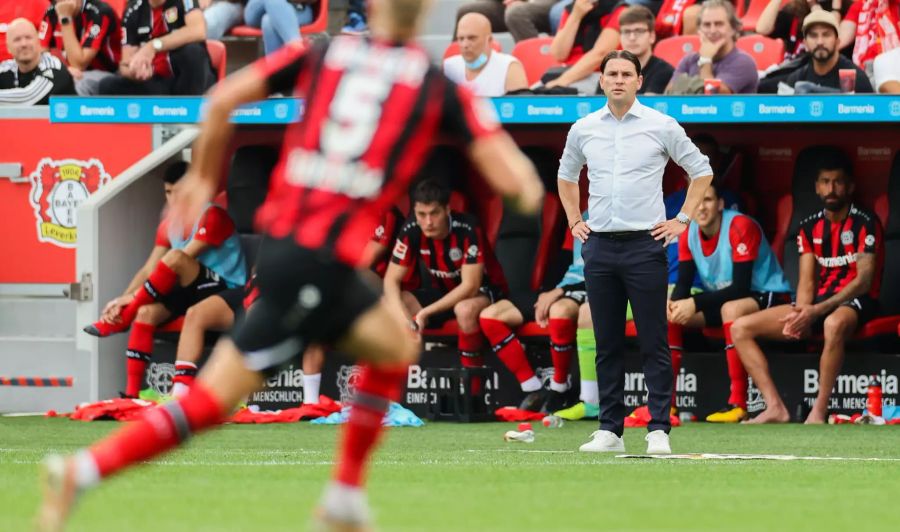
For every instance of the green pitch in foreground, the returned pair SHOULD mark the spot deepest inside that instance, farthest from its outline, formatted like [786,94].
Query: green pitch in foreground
[464,477]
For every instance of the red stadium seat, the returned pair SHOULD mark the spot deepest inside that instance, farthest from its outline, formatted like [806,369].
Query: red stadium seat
[173,326]
[882,209]
[765,51]
[318,25]
[672,49]
[754,10]
[453,48]
[535,57]
[218,57]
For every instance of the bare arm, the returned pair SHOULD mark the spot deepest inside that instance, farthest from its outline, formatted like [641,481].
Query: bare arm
[765,25]
[392,292]
[472,275]
[125,64]
[696,190]
[515,77]
[806,282]
[562,43]
[589,62]
[861,284]
[76,55]
[508,171]
[570,197]
[846,34]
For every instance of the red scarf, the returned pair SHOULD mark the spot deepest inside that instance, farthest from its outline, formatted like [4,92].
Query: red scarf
[876,32]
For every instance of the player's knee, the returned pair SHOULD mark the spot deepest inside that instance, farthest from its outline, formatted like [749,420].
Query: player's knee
[175,258]
[837,326]
[564,309]
[491,312]
[731,311]
[740,330]
[146,314]
[194,317]
[584,317]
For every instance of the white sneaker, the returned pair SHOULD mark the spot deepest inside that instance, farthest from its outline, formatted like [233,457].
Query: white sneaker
[603,441]
[343,508]
[658,442]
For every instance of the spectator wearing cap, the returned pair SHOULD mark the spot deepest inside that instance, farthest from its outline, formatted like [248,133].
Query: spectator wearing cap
[820,36]
[478,66]
[719,58]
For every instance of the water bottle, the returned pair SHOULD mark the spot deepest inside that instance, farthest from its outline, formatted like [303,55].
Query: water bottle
[552,422]
[524,437]
[874,397]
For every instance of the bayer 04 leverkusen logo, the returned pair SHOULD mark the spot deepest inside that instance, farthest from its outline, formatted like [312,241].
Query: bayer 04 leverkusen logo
[57,189]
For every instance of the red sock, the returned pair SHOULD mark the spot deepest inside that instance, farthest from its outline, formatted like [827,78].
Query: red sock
[508,348]
[676,345]
[376,388]
[470,356]
[562,346]
[185,373]
[140,349]
[736,371]
[160,282]
[157,431]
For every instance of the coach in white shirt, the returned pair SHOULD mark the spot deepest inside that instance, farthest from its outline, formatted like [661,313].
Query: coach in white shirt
[626,147]
[486,72]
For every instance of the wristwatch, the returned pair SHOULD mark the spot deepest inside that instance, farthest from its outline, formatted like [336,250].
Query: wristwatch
[683,218]
[65,20]
[157,44]
[704,61]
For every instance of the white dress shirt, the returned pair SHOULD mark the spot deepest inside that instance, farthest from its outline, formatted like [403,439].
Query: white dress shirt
[626,159]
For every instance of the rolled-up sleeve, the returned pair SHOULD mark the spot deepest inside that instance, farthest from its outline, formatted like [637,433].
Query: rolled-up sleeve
[572,160]
[683,151]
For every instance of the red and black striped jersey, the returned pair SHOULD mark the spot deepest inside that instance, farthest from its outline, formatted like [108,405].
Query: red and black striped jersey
[142,23]
[385,235]
[837,245]
[97,28]
[372,112]
[441,260]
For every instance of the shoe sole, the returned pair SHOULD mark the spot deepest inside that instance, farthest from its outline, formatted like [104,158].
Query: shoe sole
[616,450]
[322,522]
[57,502]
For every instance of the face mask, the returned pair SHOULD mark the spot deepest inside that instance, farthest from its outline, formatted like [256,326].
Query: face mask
[478,62]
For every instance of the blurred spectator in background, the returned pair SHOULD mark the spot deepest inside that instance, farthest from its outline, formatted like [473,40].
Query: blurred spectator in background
[221,16]
[887,72]
[478,66]
[164,51]
[280,20]
[637,28]
[785,23]
[556,14]
[718,57]
[89,35]
[820,37]
[523,19]
[588,31]
[30,77]
[677,17]
[10,10]
[356,18]
[871,27]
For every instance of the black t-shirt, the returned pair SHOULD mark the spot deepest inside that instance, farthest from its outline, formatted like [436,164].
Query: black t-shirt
[143,23]
[657,74]
[788,29]
[35,87]
[832,78]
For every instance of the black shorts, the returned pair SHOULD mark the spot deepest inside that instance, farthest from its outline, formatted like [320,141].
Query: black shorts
[206,284]
[713,315]
[234,298]
[865,306]
[305,296]
[524,301]
[428,295]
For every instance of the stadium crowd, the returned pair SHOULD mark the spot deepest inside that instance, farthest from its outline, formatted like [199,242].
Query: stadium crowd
[437,262]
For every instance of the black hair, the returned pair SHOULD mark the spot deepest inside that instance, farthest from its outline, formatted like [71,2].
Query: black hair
[836,159]
[174,172]
[621,54]
[431,191]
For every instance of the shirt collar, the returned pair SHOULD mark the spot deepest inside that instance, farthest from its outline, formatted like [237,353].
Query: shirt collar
[636,110]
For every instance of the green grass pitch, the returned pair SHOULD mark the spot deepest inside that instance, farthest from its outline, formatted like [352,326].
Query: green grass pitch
[464,477]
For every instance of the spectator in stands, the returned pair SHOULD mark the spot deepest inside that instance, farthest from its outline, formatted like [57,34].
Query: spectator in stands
[523,19]
[164,51]
[32,10]
[556,14]
[718,57]
[356,19]
[588,31]
[870,28]
[844,244]
[637,28]
[89,34]
[887,72]
[785,23]
[820,36]
[478,66]
[221,16]
[185,266]
[557,311]
[280,20]
[739,275]
[31,76]
[459,274]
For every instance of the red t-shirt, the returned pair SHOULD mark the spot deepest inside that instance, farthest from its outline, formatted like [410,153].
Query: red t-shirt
[10,10]
[853,13]
[97,28]
[610,20]
[215,228]
[744,235]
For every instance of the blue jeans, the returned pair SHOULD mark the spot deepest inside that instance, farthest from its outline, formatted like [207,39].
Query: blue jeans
[556,14]
[220,17]
[279,20]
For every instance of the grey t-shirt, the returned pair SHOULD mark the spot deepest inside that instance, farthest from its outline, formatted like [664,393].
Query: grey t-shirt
[737,70]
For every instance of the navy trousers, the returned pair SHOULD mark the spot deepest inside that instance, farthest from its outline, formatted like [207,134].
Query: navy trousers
[618,268]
